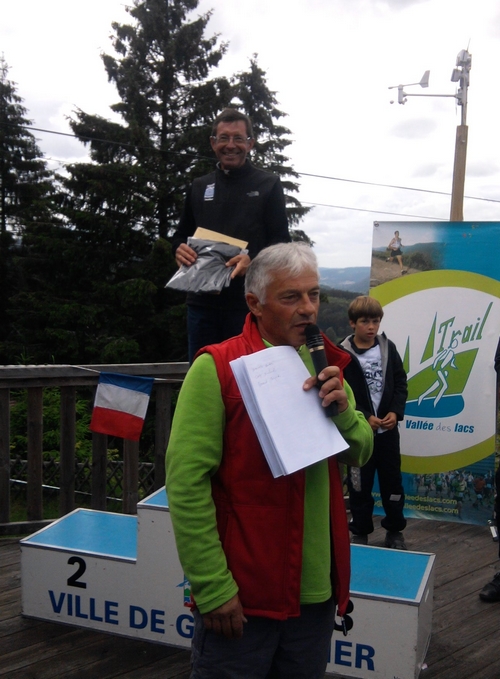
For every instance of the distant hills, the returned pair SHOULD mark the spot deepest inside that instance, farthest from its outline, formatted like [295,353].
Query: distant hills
[357,278]
[352,278]
[426,248]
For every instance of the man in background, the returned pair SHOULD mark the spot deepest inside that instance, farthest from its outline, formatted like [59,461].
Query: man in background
[237,200]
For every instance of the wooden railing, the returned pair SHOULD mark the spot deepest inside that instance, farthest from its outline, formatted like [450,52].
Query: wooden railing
[35,379]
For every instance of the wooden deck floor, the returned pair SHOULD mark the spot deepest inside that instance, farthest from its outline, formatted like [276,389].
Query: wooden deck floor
[464,643]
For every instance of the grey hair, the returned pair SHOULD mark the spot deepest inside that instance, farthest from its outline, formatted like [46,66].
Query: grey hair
[294,258]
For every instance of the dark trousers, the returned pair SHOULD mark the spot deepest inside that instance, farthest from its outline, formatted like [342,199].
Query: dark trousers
[207,325]
[386,461]
[297,648]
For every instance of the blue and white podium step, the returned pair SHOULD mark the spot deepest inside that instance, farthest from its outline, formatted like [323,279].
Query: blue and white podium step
[121,574]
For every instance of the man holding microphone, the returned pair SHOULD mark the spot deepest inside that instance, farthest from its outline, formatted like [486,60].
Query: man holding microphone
[267,558]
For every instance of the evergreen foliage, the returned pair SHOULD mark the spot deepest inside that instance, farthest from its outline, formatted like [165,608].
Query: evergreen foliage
[252,95]
[332,317]
[24,178]
[25,193]
[91,261]
[143,164]
[51,425]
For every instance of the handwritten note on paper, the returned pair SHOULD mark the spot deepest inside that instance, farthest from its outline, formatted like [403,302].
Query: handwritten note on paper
[290,423]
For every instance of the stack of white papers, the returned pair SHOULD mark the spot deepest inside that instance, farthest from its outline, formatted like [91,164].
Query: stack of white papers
[290,423]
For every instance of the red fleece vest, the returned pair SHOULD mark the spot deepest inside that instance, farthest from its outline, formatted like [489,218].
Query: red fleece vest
[260,518]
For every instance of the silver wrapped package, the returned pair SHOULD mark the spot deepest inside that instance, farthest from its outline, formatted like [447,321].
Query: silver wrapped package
[209,272]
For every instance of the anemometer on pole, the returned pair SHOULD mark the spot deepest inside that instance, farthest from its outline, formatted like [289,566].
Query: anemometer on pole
[459,75]
[424,82]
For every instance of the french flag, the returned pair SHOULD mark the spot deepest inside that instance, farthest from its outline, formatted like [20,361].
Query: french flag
[120,405]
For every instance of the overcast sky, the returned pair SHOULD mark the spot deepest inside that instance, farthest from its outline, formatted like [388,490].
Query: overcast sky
[331,63]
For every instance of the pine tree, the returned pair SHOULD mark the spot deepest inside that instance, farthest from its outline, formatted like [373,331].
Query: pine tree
[124,202]
[167,105]
[25,191]
[24,178]
[122,205]
[252,95]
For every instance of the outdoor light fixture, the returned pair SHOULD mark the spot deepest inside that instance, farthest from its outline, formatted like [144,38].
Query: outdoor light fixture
[459,75]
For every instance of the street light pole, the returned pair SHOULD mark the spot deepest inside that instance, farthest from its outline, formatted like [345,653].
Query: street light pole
[457,188]
[461,75]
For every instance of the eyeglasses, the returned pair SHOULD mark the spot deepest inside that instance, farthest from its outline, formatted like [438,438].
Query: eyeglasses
[225,139]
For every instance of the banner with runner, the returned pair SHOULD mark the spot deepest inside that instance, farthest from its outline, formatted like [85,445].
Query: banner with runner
[439,285]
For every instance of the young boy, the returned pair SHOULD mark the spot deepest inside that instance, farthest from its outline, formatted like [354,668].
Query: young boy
[378,379]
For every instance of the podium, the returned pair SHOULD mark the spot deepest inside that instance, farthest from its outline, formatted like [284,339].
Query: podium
[392,594]
[121,574]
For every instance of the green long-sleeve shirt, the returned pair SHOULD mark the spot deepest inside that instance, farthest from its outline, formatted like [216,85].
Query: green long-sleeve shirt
[194,454]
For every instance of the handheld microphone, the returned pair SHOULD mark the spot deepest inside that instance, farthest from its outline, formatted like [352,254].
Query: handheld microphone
[315,344]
